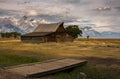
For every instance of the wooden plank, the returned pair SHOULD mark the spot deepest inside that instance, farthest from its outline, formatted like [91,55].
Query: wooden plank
[44,68]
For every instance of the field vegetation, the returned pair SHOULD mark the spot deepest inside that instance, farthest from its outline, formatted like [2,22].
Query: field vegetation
[103,56]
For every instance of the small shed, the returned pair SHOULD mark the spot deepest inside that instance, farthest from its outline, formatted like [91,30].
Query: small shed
[54,32]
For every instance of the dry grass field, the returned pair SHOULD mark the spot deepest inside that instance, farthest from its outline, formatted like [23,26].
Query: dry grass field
[102,55]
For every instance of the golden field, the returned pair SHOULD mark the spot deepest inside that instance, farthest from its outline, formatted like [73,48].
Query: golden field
[80,48]
[99,52]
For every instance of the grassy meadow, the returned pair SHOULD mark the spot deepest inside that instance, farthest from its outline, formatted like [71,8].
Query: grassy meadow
[103,56]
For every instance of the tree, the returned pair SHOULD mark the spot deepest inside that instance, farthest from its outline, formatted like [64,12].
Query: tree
[73,30]
[10,35]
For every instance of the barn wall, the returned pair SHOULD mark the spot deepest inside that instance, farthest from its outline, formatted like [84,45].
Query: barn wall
[68,38]
[63,37]
[50,38]
[58,37]
[55,37]
[32,39]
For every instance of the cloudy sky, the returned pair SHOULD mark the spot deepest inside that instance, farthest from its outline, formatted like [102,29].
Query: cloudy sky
[103,15]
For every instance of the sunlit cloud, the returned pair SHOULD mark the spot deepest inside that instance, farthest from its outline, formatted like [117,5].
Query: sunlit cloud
[32,13]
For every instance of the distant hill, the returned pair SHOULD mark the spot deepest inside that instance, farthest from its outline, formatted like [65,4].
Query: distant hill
[95,34]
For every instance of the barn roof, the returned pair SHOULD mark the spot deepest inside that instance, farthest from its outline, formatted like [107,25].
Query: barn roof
[37,34]
[44,29]
[48,27]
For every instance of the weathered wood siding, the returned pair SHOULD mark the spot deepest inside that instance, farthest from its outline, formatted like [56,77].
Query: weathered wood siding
[32,39]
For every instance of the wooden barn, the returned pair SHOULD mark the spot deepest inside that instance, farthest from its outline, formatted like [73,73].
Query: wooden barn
[54,32]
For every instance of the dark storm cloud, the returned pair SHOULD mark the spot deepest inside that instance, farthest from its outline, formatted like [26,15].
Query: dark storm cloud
[4,12]
[117,8]
[112,2]
[8,1]
[71,1]
[3,1]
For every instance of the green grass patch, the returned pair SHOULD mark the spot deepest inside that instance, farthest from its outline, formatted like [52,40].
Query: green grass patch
[11,60]
[90,72]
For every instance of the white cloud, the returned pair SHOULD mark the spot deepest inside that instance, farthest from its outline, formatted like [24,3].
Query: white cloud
[107,13]
[32,13]
[102,29]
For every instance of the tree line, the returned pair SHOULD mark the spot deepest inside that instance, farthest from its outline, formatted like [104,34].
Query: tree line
[10,35]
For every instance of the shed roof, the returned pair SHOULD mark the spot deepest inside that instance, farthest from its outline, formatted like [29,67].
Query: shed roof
[48,27]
